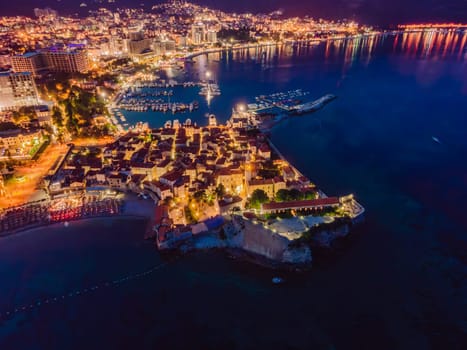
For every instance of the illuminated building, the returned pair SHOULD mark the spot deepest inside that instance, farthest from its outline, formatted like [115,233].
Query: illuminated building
[19,139]
[198,33]
[211,36]
[161,47]
[117,46]
[68,59]
[43,115]
[17,90]
[29,62]
[137,44]
[5,59]
[231,179]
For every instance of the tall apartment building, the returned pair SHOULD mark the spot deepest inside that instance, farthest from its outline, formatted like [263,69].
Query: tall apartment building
[32,62]
[198,33]
[137,47]
[5,59]
[137,43]
[161,47]
[211,36]
[117,46]
[17,90]
[68,59]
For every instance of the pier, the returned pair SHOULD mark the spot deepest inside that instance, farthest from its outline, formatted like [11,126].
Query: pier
[312,106]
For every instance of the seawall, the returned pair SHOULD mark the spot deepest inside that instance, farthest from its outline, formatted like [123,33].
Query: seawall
[256,239]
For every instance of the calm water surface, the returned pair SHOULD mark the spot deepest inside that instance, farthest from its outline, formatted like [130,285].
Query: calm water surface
[398,283]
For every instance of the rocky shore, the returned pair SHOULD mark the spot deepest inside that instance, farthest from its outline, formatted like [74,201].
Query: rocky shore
[245,240]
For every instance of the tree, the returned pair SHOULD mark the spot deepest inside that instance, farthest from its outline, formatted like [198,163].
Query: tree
[220,191]
[57,117]
[241,34]
[282,195]
[189,216]
[258,197]
[20,117]
[310,195]
[200,196]
[295,195]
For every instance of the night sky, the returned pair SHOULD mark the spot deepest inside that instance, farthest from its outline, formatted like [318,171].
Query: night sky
[383,12]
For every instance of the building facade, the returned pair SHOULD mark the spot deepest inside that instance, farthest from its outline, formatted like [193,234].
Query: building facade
[66,59]
[18,138]
[29,62]
[198,33]
[17,90]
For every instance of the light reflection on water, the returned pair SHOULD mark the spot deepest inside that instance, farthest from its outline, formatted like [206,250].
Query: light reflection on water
[245,73]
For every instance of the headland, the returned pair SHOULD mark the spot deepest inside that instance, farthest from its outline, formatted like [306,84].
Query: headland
[214,186]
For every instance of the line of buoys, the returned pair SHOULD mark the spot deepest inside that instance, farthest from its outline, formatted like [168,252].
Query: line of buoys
[56,299]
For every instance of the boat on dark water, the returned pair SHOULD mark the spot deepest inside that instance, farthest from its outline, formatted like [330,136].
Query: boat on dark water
[277,280]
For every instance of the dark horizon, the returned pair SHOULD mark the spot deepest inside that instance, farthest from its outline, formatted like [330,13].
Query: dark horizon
[372,12]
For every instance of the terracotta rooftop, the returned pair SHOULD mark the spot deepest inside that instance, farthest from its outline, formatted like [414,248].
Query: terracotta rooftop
[261,182]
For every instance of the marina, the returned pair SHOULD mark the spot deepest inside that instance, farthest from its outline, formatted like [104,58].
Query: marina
[210,89]
[281,105]
[151,94]
[284,101]
[158,84]
[154,96]
[145,105]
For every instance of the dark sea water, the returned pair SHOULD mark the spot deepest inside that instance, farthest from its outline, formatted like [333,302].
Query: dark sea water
[399,282]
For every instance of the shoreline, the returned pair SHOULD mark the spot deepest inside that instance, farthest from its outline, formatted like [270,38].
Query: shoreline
[53,224]
[258,260]
[192,55]
[289,42]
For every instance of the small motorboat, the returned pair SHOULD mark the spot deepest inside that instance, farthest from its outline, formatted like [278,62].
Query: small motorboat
[277,280]
[435,139]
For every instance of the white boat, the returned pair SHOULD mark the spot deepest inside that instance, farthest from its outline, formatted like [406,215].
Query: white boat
[277,280]
[435,139]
